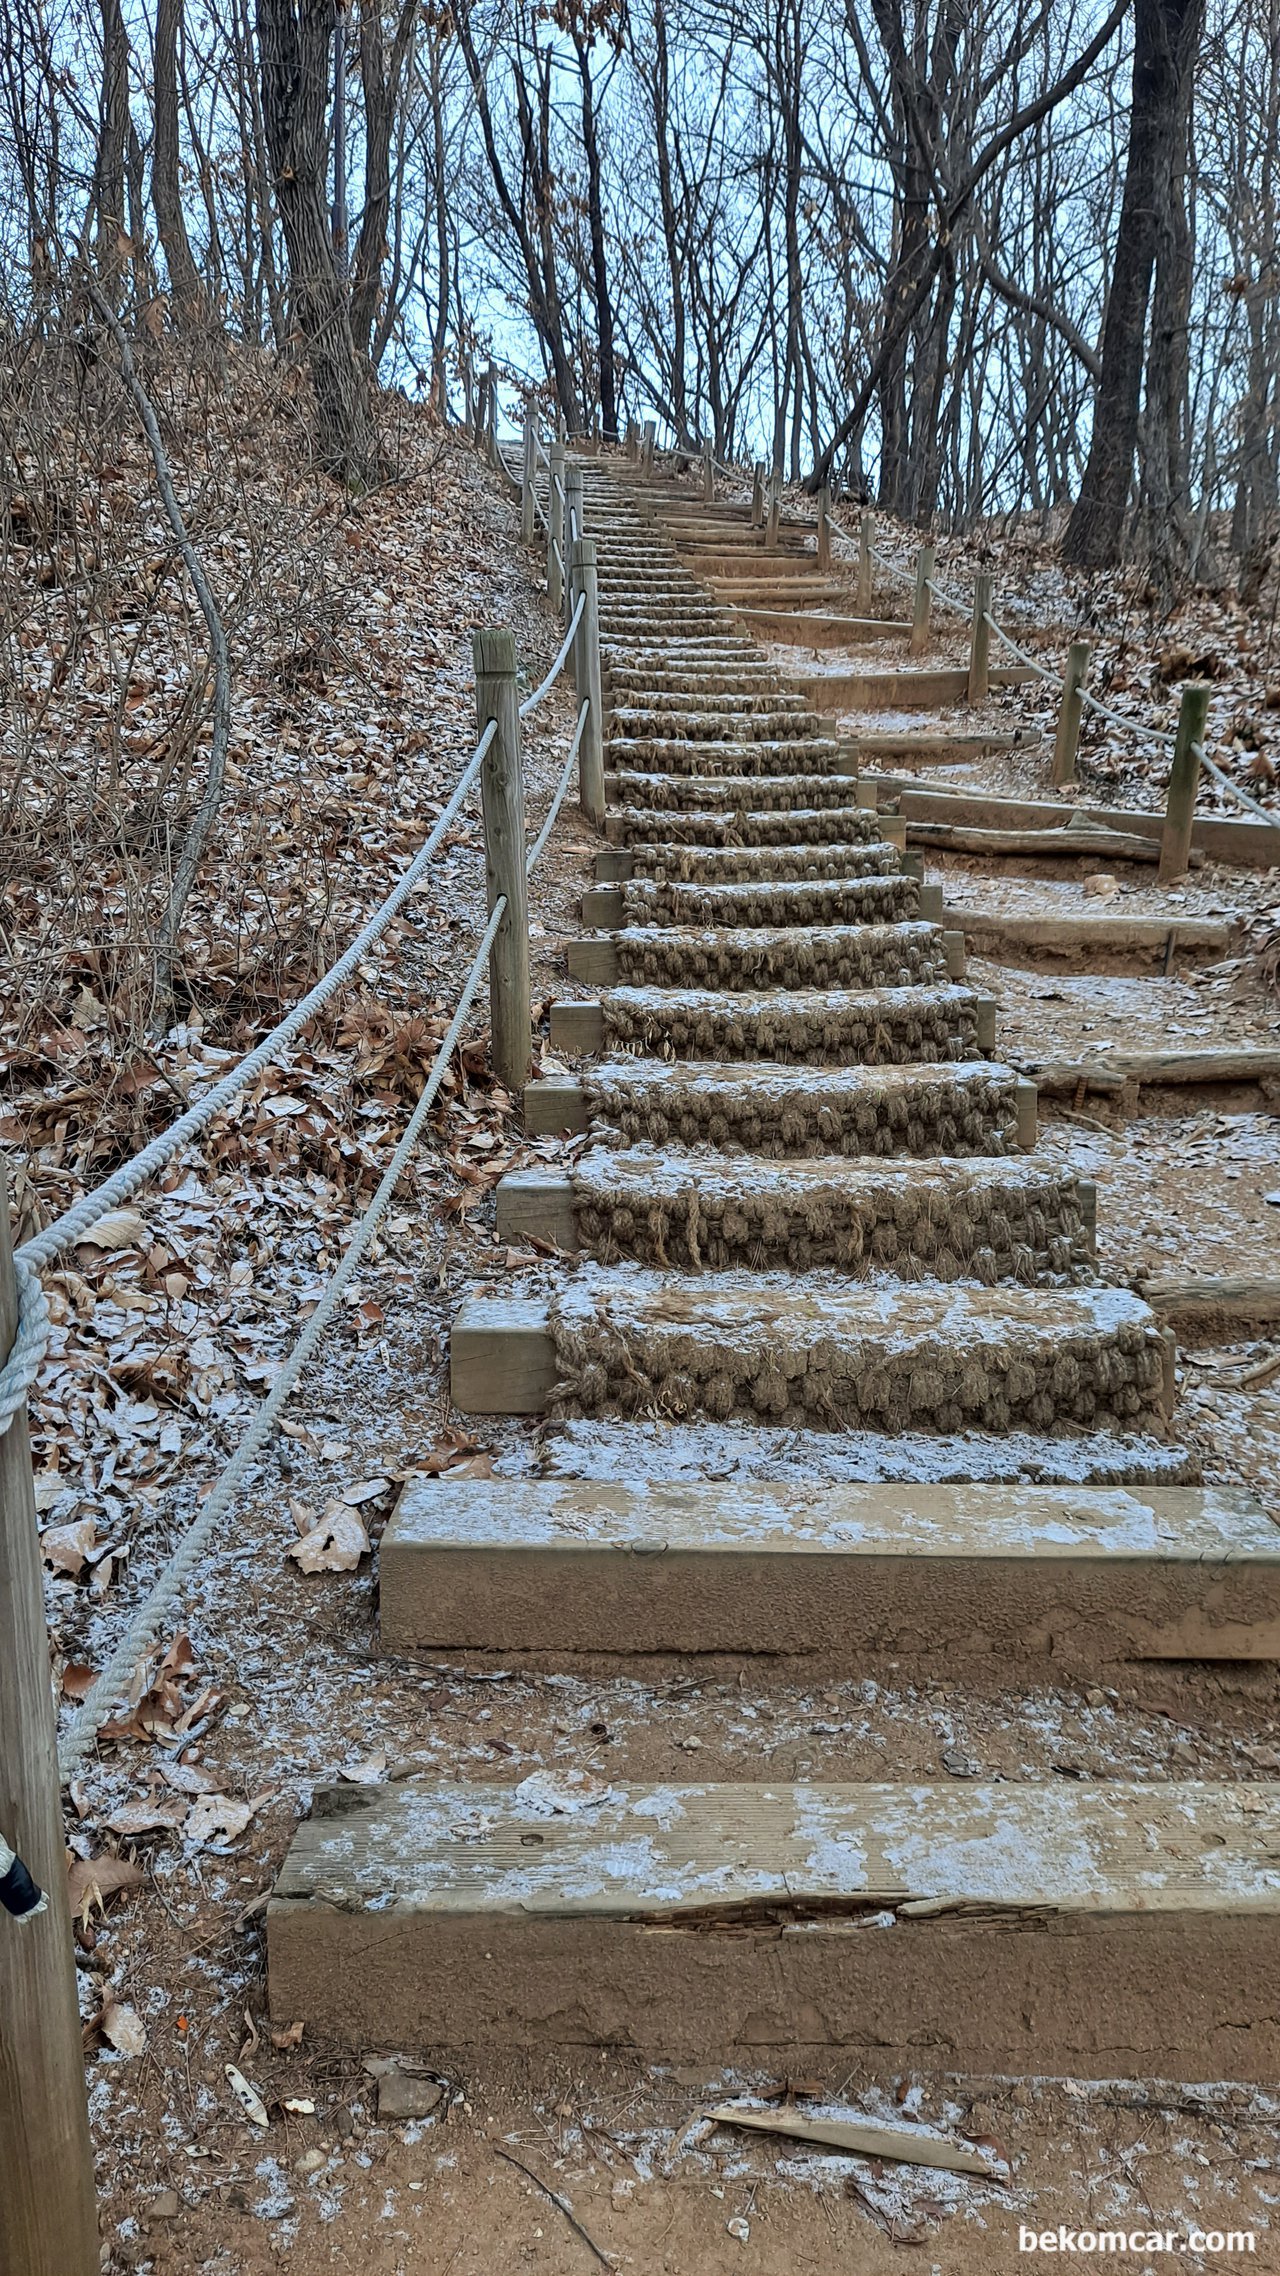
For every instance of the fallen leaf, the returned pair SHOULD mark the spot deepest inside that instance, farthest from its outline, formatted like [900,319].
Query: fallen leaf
[115,1229]
[368,1490]
[289,2035]
[370,1772]
[216,1817]
[146,1817]
[49,1487]
[123,2027]
[77,1680]
[68,1548]
[861,2137]
[335,1545]
[189,1778]
[95,1880]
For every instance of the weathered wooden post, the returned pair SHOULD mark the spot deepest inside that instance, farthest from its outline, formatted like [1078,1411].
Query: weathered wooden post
[824,527]
[1184,779]
[555,524]
[528,476]
[980,637]
[757,495]
[708,474]
[573,530]
[648,446]
[586,679]
[921,601]
[502,797]
[48,2220]
[633,439]
[491,417]
[773,523]
[1067,740]
[468,395]
[866,547]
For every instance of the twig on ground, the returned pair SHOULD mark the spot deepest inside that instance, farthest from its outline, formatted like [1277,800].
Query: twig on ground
[561,2204]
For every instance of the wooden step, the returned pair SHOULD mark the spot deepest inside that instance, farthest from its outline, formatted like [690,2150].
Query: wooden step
[960,1107]
[737,755]
[989,1220]
[881,1356]
[734,795]
[812,628]
[768,956]
[839,898]
[903,690]
[878,1027]
[1104,1931]
[633,722]
[1080,1577]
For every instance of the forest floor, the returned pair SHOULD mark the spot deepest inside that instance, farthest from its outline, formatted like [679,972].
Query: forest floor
[274,1679]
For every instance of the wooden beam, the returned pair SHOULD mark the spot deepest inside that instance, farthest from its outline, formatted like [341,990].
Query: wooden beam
[803,628]
[1246,1063]
[898,691]
[1252,845]
[1215,1311]
[1087,1576]
[1104,1929]
[989,932]
[501,1358]
[577,1027]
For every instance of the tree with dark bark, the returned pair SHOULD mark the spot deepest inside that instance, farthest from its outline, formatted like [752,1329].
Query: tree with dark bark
[1151,237]
[295,42]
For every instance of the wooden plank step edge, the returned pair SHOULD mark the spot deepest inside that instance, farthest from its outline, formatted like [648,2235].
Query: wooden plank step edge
[1108,1930]
[1086,1577]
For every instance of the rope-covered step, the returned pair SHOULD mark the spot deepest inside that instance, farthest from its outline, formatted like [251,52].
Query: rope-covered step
[883,1357]
[701,867]
[1002,1575]
[747,810]
[800,756]
[944,1220]
[840,898]
[1108,1930]
[958,1108]
[860,1027]
[759,957]
[737,720]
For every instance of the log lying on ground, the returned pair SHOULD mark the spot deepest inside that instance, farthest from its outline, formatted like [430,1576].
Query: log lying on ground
[992,931]
[1046,845]
[1116,1070]
[1251,845]
[1215,1311]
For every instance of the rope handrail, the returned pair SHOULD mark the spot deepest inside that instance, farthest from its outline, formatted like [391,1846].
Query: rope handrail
[948,600]
[561,787]
[118,1671]
[123,1183]
[1021,653]
[531,702]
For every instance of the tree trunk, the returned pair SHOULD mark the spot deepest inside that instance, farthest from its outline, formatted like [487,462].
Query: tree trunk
[295,43]
[108,198]
[599,263]
[1166,36]
[186,296]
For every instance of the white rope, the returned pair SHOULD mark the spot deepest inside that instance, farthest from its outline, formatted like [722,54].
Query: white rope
[531,702]
[118,1672]
[1264,813]
[31,1334]
[1021,653]
[559,557]
[561,787]
[948,600]
[126,1181]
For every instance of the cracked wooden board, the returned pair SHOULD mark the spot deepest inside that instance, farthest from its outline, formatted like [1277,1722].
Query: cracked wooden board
[1097,1930]
[1079,1577]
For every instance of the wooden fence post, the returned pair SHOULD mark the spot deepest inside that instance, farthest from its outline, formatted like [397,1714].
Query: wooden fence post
[586,679]
[757,495]
[633,439]
[708,474]
[774,521]
[468,395]
[491,418]
[1067,740]
[866,547]
[48,2219]
[1175,841]
[555,524]
[921,602]
[528,474]
[980,637]
[502,797]
[824,527]
[648,445]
